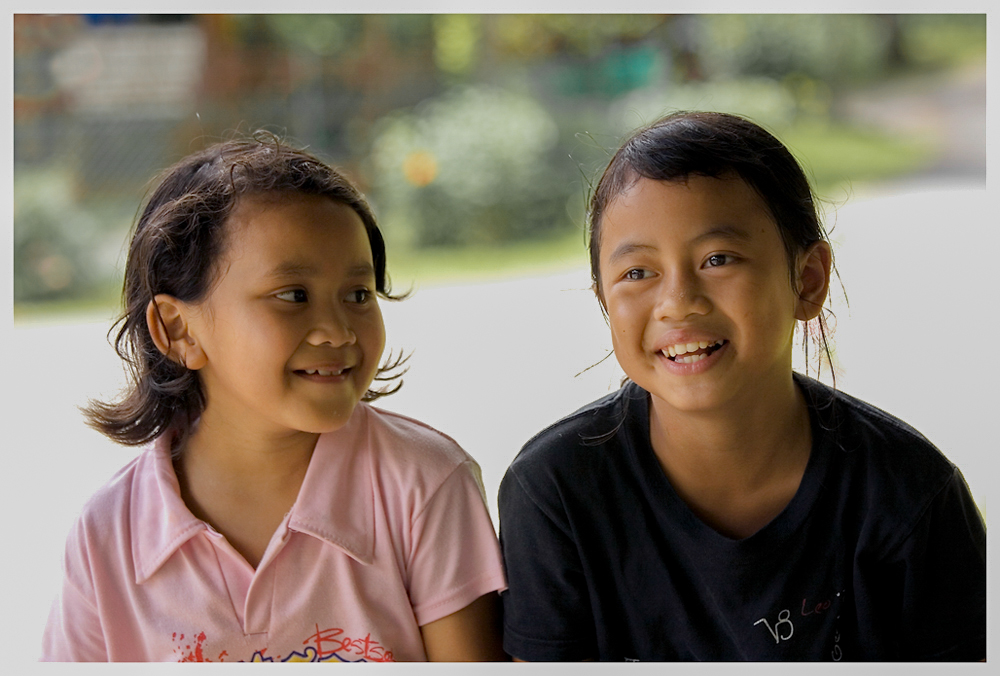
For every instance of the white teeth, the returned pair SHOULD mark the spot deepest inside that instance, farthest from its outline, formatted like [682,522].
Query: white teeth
[692,359]
[684,348]
[321,372]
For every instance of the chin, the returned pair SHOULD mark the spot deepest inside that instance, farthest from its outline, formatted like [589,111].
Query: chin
[327,421]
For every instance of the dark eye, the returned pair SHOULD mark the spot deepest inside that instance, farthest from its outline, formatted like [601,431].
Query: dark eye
[635,274]
[293,296]
[360,296]
[716,260]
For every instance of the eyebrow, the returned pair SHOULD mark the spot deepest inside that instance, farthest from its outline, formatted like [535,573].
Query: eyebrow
[730,232]
[628,248]
[726,232]
[293,269]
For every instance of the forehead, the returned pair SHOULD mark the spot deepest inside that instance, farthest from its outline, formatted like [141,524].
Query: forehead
[292,216]
[281,234]
[686,209]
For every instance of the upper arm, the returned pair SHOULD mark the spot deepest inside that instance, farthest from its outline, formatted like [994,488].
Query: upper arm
[454,572]
[547,607]
[471,634]
[74,631]
[943,564]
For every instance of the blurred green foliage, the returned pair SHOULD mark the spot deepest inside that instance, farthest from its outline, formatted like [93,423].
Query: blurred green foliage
[474,166]
[830,47]
[539,36]
[761,99]
[936,40]
[65,247]
[475,133]
[52,238]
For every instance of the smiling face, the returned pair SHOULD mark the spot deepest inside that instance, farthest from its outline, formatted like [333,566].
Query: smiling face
[696,284]
[291,331]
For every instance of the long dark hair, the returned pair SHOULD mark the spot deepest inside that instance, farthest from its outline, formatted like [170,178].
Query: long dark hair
[716,144]
[174,247]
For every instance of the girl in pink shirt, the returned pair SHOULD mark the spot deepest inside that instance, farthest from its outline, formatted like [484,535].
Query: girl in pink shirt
[274,515]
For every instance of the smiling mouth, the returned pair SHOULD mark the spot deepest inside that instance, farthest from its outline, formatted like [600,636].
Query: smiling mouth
[689,353]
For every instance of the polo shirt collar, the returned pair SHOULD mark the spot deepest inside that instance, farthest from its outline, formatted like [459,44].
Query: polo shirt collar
[336,502]
[160,522]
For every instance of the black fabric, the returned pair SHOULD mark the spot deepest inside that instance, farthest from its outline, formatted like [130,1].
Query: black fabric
[880,555]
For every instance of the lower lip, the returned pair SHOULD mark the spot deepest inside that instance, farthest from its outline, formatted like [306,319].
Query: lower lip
[697,367]
[317,378]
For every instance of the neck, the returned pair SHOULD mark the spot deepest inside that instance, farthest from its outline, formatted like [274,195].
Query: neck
[222,461]
[246,452]
[739,466]
[242,481]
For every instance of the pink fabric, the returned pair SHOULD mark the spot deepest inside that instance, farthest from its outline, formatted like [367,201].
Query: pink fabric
[390,532]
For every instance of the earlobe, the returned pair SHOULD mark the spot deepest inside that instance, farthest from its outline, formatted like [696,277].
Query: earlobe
[167,322]
[813,280]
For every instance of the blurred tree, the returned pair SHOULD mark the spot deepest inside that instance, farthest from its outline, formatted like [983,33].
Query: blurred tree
[55,242]
[936,40]
[538,36]
[475,165]
[836,48]
[456,42]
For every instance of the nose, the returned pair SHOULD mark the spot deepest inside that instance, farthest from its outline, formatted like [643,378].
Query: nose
[681,295]
[331,326]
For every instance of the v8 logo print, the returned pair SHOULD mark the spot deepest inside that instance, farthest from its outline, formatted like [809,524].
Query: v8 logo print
[777,632]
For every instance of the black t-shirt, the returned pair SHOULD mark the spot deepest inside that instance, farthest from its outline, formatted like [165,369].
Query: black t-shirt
[880,555]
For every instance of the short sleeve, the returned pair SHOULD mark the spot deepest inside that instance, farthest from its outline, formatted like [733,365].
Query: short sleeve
[455,556]
[73,632]
[547,613]
[943,569]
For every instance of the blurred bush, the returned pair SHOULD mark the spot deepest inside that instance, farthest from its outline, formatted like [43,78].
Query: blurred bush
[60,249]
[763,100]
[481,161]
[473,166]
[941,40]
[830,47]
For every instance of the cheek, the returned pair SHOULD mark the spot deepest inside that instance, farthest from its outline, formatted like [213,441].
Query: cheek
[622,321]
[374,337]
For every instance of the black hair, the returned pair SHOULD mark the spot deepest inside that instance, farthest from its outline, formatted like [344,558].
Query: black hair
[713,144]
[174,248]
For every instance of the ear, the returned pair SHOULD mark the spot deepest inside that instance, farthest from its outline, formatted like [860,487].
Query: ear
[813,280]
[167,321]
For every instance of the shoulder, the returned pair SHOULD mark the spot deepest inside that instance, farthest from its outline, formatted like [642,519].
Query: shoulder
[101,537]
[400,438]
[583,451]
[892,463]
[857,426]
[585,433]
[113,501]
[411,458]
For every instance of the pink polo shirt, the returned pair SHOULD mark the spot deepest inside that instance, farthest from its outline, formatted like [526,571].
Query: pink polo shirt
[390,531]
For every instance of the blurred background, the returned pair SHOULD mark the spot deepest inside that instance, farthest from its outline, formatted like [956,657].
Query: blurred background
[469,133]
[477,139]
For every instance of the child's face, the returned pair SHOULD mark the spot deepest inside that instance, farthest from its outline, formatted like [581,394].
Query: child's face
[291,331]
[699,265]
